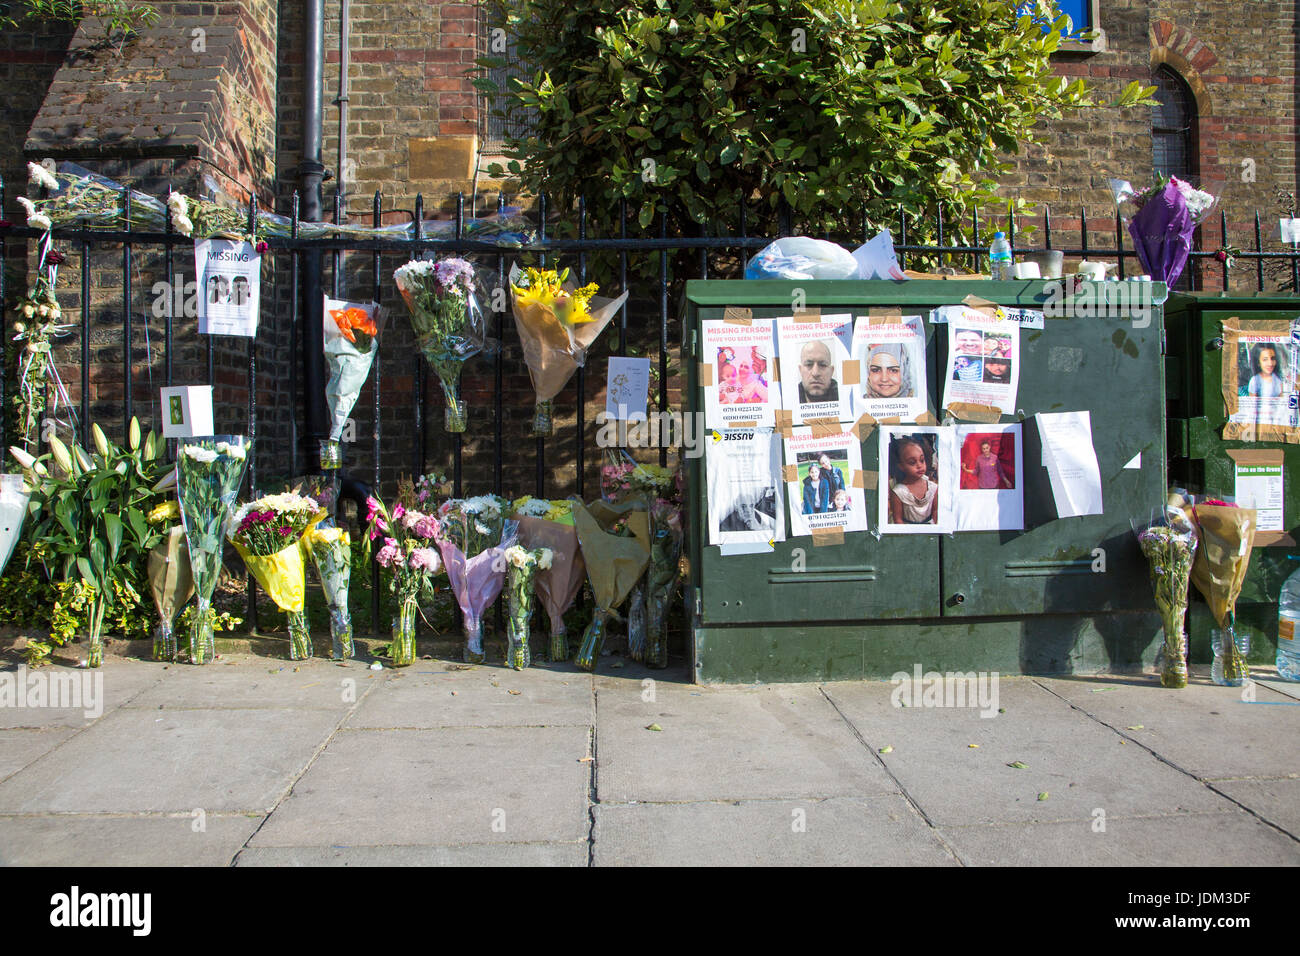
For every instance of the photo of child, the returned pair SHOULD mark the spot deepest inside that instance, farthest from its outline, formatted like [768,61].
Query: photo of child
[988,461]
[822,479]
[913,479]
[967,369]
[1262,366]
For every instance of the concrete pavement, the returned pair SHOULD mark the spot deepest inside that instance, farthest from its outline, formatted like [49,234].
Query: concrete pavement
[257,761]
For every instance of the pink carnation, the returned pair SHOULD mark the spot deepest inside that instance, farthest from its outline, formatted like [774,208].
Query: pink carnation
[427,528]
[387,555]
[424,559]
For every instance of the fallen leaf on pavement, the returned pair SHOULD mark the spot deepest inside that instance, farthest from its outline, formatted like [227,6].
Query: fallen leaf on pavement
[654,727]
[887,749]
[1017,765]
[1043,795]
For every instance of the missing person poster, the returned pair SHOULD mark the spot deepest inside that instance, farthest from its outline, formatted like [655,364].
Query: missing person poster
[990,491]
[824,482]
[917,484]
[890,355]
[230,281]
[744,468]
[1258,380]
[983,361]
[814,350]
[736,373]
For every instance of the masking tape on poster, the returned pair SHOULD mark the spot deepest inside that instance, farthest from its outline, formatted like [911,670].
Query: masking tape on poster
[970,412]
[991,309]
[852,372]
[705,374]
[822,537]
[789,473]
[783,420]
[884,315]
[926,418]
[738,316]
[808,315]
[866,480]
[823,427]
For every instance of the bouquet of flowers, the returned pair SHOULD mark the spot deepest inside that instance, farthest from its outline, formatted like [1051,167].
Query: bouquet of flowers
[268,535]
[170,578]
[522,564]
[448,323]
[549,524]
[1161,220]
[616,544]
[557,323]
[209,472]
[408,553]
[1168,542]
[1227,533]
[351,344]
[473,535]
[331,552]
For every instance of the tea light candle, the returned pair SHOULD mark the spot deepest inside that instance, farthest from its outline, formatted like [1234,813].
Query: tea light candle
[1027,270]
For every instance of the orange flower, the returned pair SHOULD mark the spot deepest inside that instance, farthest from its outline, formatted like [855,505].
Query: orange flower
[351,321]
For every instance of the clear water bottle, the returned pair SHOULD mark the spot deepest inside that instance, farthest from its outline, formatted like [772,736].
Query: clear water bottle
[1000,257]
[1288,619]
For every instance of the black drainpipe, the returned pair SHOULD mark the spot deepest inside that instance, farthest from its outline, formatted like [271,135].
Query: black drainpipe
[311,173]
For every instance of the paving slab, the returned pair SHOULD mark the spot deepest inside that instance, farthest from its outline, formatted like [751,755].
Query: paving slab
[1277,801]
[841,831]
[79,840]
[1214,839]
[172,761]
[1202,728]
[94,692]
[729,743]
[480,854]
[258,683]
[435,787]
[1080,764]
[479,697]
[18,748]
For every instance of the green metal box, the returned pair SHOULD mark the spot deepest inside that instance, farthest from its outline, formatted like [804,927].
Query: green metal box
[1064,596]
[1199,456]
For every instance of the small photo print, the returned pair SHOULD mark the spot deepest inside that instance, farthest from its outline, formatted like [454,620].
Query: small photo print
[997,345]
[743,375]
[970,342]
[967,368]
[218,289]
[988,461]
[1262,369]
[177,410]
[913,479]
[824,480]
[997,370]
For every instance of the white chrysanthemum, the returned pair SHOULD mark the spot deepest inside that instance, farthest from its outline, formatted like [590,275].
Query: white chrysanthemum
[534,508]
[28,206]
[178,204]
[38,174]
[40,221]
[481,528]
[183,225]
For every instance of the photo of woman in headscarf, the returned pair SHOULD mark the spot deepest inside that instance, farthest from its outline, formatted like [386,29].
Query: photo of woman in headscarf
[887,371]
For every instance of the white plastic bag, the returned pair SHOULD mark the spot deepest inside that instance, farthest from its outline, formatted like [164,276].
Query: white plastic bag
[798,257]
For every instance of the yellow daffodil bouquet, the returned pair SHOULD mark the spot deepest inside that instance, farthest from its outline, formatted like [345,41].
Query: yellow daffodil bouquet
[557,323]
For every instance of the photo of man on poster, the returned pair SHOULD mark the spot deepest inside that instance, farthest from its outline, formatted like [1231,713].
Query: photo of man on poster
[816,374]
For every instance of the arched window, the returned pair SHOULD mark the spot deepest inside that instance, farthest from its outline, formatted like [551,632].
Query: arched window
[1173,139]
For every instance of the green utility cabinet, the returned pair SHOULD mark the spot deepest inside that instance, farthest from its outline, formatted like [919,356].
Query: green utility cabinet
[1065,595]
[1199,458]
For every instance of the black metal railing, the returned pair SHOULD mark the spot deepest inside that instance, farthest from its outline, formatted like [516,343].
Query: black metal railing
[662,253]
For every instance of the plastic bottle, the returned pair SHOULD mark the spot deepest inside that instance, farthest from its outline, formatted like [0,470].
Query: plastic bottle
[1288,629]
[1000,258]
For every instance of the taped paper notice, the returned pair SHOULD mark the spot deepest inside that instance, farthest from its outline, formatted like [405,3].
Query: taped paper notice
[229,279]
[917,494]
[891,359]
[820,489]
[627,386]
[744,470]
[1259,379]
[1071,462]
[739,386]
[1260,484]
[812,355]
[990,491]
[983,362]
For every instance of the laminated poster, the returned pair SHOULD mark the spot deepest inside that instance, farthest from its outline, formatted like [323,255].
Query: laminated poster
[814,351]
[983,362]
[737,374]
[990,488]
[917,481]
[744,467]
[1258,380]
[824,481]
[890,358]
[230,281]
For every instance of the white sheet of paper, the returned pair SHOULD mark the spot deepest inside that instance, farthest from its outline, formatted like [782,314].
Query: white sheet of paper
[990,488]
[877,259]
[627,384]
[1071,462]
[744,473]
[1261,487]
[927,509]
[230,282]
[1135,462]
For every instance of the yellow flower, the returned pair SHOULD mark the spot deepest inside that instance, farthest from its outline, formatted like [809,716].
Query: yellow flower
[168,511]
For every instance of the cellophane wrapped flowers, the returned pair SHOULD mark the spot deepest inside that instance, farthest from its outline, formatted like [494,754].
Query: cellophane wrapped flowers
[209,472]
[473,535]
[1161,220]
[521,565]
[351,344]
[170,578]
[408,551]
[549,524]
[1169,543]
[1227,534]
[268,534]
[448,323]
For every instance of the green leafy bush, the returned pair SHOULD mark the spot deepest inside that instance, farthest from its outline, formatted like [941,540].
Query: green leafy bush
[695,108]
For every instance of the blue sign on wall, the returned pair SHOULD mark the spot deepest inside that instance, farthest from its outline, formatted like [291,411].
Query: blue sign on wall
[1079,12]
